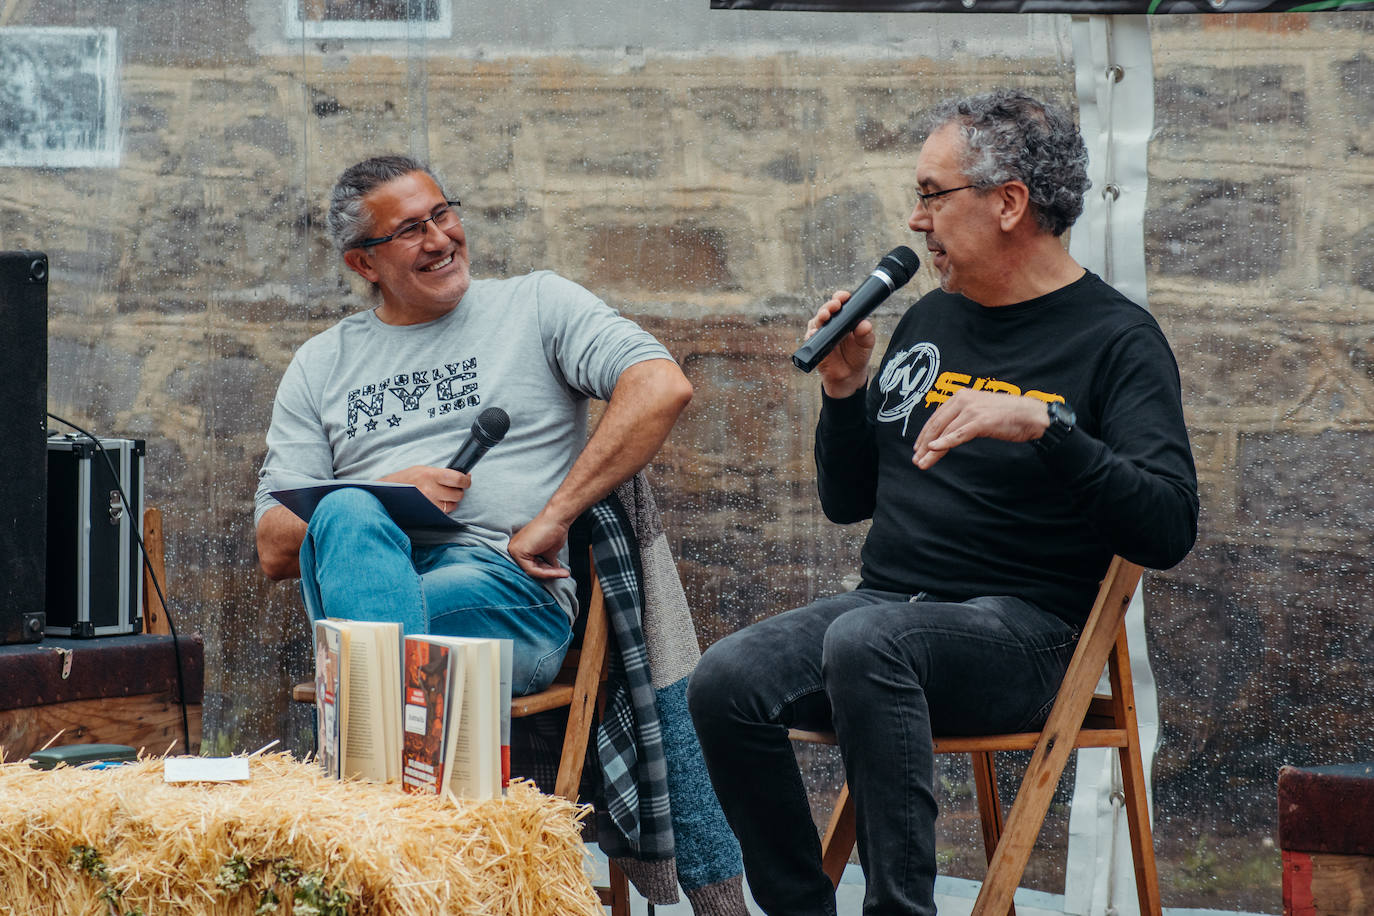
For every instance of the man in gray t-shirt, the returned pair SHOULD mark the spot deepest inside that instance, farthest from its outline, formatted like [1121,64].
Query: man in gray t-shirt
[391,393]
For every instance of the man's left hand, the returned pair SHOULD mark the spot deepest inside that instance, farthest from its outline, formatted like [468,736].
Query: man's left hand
[976,415]
[535,548]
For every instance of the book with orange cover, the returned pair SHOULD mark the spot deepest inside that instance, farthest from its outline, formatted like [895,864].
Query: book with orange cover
[432,695]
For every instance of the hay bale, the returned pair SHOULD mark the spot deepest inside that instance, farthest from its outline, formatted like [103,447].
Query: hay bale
[75,842]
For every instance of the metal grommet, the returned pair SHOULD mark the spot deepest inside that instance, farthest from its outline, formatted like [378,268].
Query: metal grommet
[1111,190]
[1116,73]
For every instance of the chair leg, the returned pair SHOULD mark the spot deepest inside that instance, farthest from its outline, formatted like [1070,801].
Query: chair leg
[1133,781]
[989,805]
[840,836]
[620,891]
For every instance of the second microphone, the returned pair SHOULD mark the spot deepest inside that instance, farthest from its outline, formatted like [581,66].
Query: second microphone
[892,272]
[489,428]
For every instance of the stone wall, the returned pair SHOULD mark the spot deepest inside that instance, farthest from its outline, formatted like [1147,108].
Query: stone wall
[716,198]
[1260,181]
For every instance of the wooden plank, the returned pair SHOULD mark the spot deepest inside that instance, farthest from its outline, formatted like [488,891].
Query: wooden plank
[1327,884]
[1341,884]
[801,734]
[989,802]
[1025,741]
[619,892]
[840,836]
[1327,809]
[148,721]
[1099,730]
[583,699]
[555,697]
[1297,884]
[981,744]
[154,614]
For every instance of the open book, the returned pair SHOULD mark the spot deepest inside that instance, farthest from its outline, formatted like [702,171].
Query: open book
[433,692]
[432,715]
[357,697]
[468,759]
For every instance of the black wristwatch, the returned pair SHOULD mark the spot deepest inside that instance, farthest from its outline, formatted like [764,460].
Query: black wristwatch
[1062,419]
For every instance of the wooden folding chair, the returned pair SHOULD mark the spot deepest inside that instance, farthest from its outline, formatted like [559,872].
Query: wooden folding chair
[1078,719]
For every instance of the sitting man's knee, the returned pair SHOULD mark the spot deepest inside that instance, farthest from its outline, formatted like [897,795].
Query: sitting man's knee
[346,502]
[715,682]
[850,639]
[857,644]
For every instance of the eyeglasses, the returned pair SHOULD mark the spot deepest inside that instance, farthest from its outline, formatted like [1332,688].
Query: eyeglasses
[412,233]
[925,199]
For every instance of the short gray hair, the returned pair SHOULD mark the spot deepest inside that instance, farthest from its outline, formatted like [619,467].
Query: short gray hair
[1011,136]
[349,222]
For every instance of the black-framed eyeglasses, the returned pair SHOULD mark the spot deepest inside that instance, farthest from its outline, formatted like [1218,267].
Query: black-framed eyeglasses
[925,199]
[411,233]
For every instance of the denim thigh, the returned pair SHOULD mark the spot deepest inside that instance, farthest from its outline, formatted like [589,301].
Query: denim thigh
[772,669]
[986,665]
[475,590]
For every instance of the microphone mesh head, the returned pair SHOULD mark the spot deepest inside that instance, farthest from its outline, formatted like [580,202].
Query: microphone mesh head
[901,264]
[492,424]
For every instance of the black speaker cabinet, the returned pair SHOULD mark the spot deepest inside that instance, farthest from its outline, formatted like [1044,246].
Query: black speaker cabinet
[23,445]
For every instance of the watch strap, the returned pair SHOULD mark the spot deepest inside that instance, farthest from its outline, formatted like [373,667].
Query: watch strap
[1062,420]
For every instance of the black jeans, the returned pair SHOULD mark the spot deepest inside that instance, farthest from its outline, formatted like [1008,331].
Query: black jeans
[886,671]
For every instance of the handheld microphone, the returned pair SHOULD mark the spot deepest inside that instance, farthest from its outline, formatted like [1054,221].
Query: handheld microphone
[892,272]
[489,428]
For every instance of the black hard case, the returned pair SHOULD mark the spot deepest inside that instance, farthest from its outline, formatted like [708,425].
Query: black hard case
[95,581]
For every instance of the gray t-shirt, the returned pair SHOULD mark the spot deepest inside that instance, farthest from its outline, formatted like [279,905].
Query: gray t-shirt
[365,399]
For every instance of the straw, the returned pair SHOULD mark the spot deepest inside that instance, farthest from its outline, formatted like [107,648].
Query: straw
[81,842]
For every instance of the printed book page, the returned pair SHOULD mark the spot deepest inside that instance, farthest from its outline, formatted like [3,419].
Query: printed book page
[372,734]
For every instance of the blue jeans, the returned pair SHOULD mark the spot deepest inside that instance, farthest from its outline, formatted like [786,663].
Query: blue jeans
[885,671]
[358,565]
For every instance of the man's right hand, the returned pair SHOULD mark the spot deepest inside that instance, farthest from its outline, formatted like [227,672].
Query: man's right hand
[845,368]
[442,486]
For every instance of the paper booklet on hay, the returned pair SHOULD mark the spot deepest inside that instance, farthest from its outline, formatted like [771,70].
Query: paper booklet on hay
[404,502]
[433,716]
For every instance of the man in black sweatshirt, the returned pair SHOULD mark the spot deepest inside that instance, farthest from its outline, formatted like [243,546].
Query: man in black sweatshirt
[1024,425]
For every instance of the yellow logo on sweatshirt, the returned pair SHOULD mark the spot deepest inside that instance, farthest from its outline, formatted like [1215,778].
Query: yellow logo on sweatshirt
[949,383]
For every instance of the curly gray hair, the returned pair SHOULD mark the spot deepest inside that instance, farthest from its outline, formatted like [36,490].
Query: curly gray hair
[1011,136]
[348,221]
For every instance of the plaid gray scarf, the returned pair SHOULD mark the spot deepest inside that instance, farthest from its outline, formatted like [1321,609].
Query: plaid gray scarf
[659,819]
[629,741]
